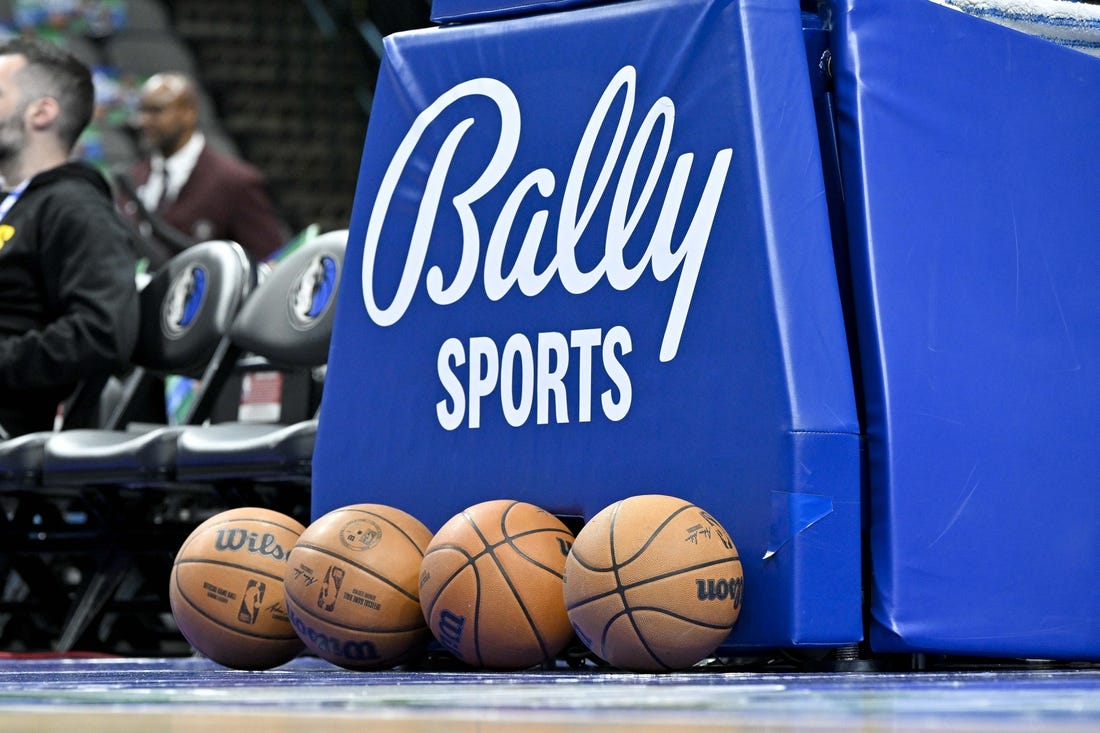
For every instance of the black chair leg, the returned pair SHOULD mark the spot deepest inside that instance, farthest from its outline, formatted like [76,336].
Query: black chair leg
[93,598]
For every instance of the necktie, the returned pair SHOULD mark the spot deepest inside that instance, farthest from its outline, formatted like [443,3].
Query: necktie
[155,190]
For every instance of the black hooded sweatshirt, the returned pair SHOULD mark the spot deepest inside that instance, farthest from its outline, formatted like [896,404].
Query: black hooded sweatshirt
[68,301]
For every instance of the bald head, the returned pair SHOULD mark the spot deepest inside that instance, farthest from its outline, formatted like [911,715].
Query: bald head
[168,111]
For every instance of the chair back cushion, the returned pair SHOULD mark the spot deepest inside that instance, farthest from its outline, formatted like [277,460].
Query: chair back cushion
[188,306]
[288,320]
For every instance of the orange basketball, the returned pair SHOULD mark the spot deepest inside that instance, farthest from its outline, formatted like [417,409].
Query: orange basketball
[653,583]
[226,588]
[351,586]
[490,585]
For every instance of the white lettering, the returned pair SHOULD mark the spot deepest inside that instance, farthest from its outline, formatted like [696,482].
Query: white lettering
[570,228]
[535,377]
[523,272]
[552,364]
[576,212]
[517,346]
[507,143]
[483,350]
[452,351]
[584,341]
[616,337]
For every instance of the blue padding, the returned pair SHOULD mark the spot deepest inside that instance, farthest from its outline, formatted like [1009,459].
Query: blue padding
[971,156]
[451,11]
[720,374]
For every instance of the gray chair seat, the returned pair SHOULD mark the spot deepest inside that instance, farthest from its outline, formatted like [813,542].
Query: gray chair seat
[21,458]
[93,518]
[246,450]
[90,457]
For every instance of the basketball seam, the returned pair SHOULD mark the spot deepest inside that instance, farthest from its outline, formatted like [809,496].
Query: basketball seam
[443,586]
[621,589]
[680,617]
[533,561]
[510,540]
[637,633]
[649,541]
[455,574]
[477,604]
[226,564]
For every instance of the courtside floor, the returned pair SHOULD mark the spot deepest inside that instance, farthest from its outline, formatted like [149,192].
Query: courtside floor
[189,694]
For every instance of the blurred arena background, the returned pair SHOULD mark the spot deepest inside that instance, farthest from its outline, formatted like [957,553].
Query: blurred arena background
[288,85]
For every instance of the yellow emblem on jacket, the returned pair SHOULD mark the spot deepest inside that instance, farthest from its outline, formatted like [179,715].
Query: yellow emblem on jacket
[6,232]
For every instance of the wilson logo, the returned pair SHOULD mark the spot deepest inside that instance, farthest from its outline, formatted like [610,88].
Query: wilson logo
[450,630]
[352,650]
[236,540]
[720,590]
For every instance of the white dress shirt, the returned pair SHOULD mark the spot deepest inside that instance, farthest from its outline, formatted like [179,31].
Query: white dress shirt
[167,175]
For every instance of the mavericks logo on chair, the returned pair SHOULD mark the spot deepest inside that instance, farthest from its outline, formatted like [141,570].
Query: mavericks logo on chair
[312,292]
[184,300]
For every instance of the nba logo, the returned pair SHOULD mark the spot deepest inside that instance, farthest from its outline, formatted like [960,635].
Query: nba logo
[326,598]
[251,600]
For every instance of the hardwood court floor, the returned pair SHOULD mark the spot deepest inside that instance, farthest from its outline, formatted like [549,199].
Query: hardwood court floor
[184,695]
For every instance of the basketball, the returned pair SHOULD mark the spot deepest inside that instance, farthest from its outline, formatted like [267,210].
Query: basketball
[226,588]
[491,585]
[653,583]
[351,586]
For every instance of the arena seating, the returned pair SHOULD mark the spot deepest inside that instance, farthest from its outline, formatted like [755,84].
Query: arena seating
[69,500]
[242,454]
[135,495]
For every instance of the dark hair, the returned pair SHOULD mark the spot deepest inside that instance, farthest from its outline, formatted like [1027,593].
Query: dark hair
[51,71]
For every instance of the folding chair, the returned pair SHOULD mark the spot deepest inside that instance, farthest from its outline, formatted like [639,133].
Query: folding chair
[287,322]
[138,477]
[71,516]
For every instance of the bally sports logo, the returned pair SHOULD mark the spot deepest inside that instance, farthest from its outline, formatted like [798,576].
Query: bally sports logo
[539,386]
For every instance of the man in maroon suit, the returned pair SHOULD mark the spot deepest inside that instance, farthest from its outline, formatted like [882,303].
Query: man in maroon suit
[197,191]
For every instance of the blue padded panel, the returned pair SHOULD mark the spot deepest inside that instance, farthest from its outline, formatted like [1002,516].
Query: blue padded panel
[449,11]
[289,318]
[971,160]
[750,413]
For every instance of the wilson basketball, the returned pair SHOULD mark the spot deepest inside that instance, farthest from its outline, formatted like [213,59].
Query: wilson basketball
[226,588]
[653,583]
[491,585]
[351,586]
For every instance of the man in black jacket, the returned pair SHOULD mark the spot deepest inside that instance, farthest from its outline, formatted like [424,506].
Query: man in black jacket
[68,302]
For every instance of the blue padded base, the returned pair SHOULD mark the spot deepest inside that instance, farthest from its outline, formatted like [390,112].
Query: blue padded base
[972,198]
[719,374]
